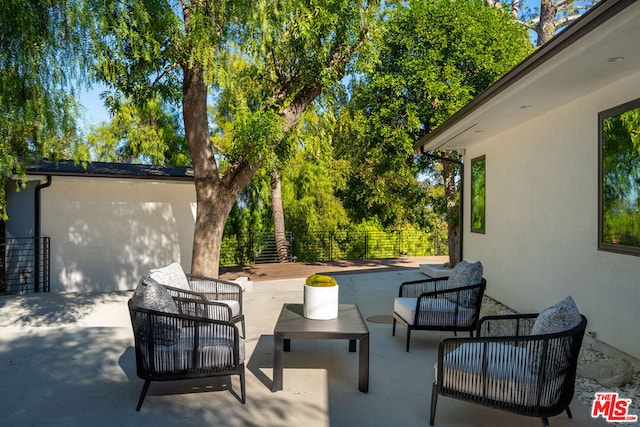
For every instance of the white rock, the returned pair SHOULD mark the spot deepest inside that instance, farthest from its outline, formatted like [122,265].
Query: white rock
[609,373]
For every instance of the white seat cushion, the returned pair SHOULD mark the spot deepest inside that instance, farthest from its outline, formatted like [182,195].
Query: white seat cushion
[235,306]
[244,282]
[406,308]
[171,275]
[214,352]
[508,378]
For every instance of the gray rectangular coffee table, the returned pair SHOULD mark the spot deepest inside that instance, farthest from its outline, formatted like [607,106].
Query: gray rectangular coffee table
[349,326]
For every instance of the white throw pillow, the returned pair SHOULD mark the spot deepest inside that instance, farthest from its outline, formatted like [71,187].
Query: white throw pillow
[171,275]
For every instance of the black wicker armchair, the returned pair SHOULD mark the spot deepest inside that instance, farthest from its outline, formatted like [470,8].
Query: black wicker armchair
[430,305]
[181,284]
[506,368]
[195,341]
[218,290]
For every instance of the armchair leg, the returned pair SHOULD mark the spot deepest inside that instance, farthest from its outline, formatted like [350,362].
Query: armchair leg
[434,402]
[393,331]
[408,338]
[569,412]
[145,388]
[244,331]
[545,422]
[242,387]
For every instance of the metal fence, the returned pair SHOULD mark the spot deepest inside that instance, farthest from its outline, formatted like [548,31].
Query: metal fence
[24,265]
[330,245]
[25,262]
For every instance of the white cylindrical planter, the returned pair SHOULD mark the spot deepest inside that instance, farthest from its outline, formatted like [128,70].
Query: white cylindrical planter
[320,303]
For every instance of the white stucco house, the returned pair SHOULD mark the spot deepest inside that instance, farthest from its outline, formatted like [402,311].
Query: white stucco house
[535,135]
[108,224]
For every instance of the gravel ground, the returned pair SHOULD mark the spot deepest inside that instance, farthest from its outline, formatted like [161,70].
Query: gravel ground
[585,387]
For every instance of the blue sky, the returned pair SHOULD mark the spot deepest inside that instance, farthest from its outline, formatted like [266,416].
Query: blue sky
[94,110]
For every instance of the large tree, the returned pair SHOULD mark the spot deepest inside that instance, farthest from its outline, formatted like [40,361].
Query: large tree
[147,133]
[41,53]
[434,57]
[310,177]
[553,15]
[262,62]
[547,19]
[314,175]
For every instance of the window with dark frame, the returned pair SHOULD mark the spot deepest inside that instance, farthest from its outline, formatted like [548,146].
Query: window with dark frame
[619,179]
[478,173]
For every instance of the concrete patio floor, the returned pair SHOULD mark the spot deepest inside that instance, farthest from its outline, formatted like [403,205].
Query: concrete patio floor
[67,360]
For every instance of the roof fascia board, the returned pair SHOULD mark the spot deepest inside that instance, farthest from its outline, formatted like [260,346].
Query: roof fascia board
[120,176]
[109,170]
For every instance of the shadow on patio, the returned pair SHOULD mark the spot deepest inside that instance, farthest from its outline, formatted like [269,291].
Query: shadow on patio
[67,359]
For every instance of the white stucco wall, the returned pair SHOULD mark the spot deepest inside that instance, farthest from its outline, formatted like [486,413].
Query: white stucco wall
[107,233]
[541,241]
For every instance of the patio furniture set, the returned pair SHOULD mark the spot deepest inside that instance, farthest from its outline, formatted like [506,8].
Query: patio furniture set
[186,327]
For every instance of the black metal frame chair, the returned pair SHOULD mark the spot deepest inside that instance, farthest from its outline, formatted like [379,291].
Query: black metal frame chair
[438,308]
[192,344]
[506,368]
[212,290]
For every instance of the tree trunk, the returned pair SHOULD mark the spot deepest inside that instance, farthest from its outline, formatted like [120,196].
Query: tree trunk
[515,8]
[212,210]
[208,231]
[291,115]
[546,26]
[453,211]
[278,217]
[215,196]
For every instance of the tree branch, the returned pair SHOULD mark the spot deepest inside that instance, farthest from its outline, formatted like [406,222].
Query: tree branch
[166,71]
[563,22]
[219,149]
